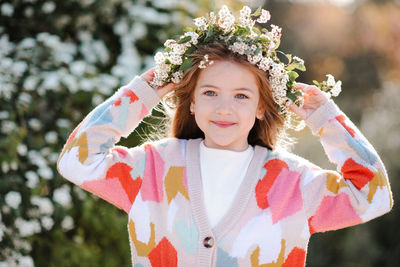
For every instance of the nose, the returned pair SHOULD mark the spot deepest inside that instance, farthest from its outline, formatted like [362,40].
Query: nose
[224,106]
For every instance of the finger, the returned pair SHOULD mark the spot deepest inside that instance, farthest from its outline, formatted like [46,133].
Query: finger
[306,87]
[165,89]
[299,111]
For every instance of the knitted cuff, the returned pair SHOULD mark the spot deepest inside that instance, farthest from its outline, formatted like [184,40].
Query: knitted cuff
[144,91]
[322,115]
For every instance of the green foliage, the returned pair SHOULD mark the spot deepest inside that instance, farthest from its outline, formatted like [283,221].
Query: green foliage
[187,63]
[58,60]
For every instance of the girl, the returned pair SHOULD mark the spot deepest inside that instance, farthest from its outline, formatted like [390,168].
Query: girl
[219,192]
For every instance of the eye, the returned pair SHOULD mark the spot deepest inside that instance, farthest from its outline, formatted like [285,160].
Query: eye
[242,96]
[209,93]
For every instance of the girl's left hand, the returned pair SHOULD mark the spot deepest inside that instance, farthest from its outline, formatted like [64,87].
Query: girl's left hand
[313,99]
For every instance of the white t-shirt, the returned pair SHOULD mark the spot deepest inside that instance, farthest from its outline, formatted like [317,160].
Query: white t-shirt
[222,172]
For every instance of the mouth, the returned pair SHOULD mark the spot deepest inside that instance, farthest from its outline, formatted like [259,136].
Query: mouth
[223,124]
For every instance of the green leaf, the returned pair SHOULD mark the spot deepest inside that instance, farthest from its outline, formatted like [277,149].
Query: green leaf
[209,34]
[316,82]
[185,40]
[187,63]
[290,67]
[167,61]
[289,57]
[264,39]
[291,96]
[293,75]
[300,67]
[188,29]
[257,13]
[256,30]
[190,50]
[295,65]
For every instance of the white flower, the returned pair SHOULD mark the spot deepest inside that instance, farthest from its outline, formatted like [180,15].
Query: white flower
[18,68]
[175,59]
[245,11]
[337,88]
[25,261]
[78,68]
[169,42]
[254,59]
[244,19]
[51,137]
[275,35]
[265,63]
[264,17]
[33,179]
[1,233]
[8,126]
[62,196]
[5,167]
[299,60]
[201,23]
[4,114]
[212,18]
[14,165]
[45,172]
[178,49]
[31,82]
[13,199]
[226,19]
[22,149]
[331,80]
[121,27]
[27,228]
[160,58]
[7,9]
[35,124]
[45,151]
[48,7]
[204,63]
[63,123]
[194,36]
[239,47]
[47,222]
[44,204]
[177,76]
[67,223]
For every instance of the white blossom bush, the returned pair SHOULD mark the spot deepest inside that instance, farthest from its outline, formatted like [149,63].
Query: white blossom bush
[58,60]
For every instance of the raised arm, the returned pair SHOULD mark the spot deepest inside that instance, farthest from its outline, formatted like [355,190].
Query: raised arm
[90,158]
[358,190]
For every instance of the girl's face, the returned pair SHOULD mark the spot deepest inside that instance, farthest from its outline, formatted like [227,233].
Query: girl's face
[226,104]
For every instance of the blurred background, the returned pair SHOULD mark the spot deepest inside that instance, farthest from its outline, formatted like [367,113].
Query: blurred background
[59,59]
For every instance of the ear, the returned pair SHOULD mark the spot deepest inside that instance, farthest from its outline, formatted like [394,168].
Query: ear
[260,113]
[192,107]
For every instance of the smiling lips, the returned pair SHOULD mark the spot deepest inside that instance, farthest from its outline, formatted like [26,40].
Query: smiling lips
[223,124]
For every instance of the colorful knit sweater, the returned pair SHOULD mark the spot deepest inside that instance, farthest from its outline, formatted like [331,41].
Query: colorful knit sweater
[282,200]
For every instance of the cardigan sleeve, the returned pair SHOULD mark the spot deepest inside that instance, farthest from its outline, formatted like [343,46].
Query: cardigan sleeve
[358,190]
[90,158]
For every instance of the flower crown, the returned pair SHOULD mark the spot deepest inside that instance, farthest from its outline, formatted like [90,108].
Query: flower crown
[243,37]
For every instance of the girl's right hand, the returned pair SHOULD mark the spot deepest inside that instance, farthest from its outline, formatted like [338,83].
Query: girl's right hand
[148,76]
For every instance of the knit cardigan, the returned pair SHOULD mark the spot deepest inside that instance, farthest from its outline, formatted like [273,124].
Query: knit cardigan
[281,202]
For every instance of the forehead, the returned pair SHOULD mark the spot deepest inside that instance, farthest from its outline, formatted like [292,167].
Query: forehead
[227,74]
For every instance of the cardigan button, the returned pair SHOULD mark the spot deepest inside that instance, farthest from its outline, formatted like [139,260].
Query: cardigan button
[208,242]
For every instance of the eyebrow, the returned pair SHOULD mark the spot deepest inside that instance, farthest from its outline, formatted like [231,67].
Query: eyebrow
[236,89]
